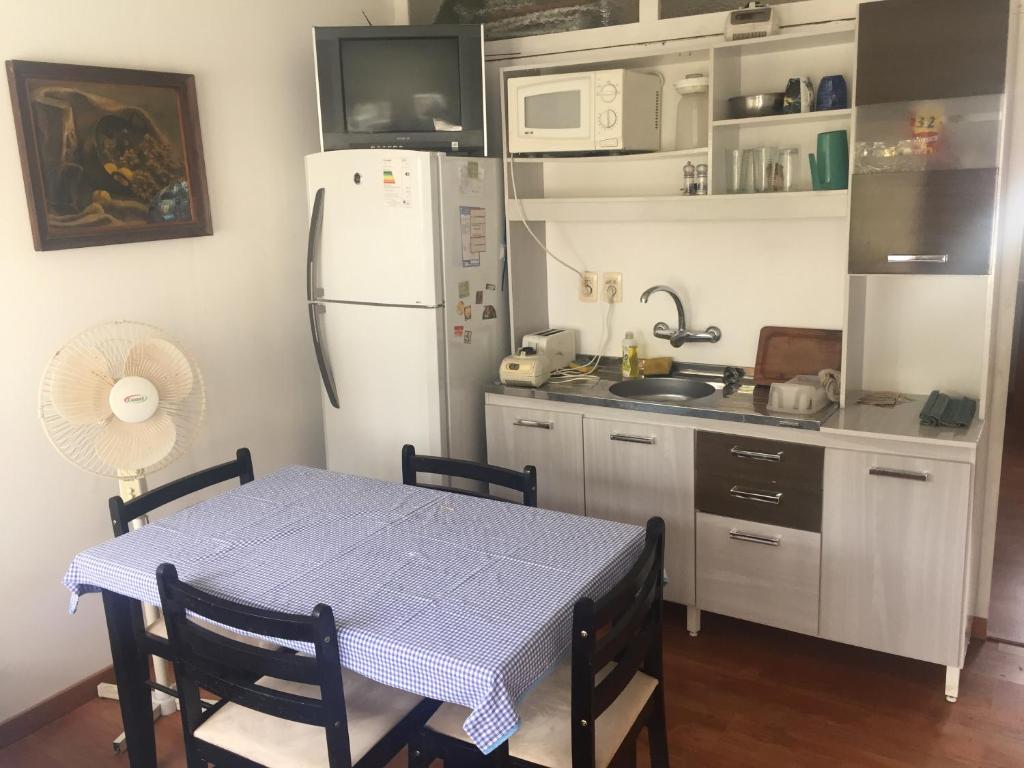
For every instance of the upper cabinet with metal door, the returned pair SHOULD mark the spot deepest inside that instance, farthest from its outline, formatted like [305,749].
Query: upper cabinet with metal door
[929,96]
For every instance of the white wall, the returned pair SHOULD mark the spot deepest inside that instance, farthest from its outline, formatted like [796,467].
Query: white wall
[235,299]
[740,277]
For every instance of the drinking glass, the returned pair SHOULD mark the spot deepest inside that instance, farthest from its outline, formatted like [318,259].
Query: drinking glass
[735,179]
[788,164]
[765,159]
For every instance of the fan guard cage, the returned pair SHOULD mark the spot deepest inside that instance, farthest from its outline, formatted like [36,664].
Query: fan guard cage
[77,382]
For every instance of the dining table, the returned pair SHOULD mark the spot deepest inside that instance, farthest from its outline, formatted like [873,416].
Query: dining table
[450,596]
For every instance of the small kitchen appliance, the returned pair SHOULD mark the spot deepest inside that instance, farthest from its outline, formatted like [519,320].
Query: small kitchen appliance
[608,110]
[539,355]
[751,21]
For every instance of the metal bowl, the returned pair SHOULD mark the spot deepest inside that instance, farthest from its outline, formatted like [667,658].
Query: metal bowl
[758,105]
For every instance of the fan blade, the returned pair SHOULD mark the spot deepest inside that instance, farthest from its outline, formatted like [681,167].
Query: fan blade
[163,364]
[136,446]
[81,386]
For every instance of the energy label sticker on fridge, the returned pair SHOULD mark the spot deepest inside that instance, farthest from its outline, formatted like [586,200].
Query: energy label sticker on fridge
[473,222]
[396,178]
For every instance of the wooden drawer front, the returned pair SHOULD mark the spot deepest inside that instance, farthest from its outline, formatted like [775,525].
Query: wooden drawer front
[636,471]
[761,573]
[893,555]
[932,223]
[550,441]
[759,463]
[768,503]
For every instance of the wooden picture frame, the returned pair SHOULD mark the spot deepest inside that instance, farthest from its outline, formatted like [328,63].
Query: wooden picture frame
[108,155]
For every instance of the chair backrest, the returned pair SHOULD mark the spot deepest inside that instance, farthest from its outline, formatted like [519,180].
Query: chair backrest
[228,667]
[525,482]
[624,626]
[122,512]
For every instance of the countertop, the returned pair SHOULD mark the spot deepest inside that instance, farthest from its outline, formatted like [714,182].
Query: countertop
[748,404]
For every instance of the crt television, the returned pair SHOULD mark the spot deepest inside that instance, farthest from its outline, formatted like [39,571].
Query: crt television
[413,87]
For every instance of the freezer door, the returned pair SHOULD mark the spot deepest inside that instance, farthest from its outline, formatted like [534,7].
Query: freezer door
[374,235]
[386,368]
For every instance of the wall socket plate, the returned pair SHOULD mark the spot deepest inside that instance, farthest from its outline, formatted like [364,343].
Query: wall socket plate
[610,280]
[588,287]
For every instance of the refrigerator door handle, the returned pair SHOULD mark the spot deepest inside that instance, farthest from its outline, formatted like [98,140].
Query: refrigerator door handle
[316,220]
[315,310]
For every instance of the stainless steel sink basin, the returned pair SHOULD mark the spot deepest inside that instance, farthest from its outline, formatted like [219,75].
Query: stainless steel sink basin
[672,391]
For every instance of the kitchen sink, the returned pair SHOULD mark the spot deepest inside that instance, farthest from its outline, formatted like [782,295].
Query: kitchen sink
[665,390]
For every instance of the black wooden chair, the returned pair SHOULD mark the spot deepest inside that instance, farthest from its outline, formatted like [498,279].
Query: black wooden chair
[525,482]
[278,709]
[589,711]
[123,513]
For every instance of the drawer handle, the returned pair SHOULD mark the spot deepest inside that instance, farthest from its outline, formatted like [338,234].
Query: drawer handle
[739,453]
[900,474]
[929,258]
[639,439]
[770,541]
[533,423]
[760,496]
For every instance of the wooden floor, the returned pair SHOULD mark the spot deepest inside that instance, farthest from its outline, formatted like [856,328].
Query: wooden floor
[738,695]
[1006,611]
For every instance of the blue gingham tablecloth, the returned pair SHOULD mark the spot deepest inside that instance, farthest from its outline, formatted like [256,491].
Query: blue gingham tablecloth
[455,598]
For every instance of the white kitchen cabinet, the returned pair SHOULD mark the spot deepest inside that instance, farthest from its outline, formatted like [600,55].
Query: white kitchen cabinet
[551,441]
[894,540]
[637,471]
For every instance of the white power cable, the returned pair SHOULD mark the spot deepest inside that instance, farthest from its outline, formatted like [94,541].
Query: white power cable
[526,225]
[585,371]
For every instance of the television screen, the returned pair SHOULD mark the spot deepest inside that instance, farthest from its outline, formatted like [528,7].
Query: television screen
[408,85]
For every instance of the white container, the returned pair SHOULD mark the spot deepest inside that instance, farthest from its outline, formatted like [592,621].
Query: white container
[801,394]
[692,112]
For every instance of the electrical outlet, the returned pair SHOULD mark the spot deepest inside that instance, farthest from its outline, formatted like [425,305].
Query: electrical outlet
[611,287]
[588,287]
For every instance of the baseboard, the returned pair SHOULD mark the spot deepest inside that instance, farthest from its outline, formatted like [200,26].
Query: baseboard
[979,628]
[50,709]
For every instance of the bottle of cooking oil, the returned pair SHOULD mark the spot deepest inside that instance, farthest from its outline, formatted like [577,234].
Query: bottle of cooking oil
[630,358]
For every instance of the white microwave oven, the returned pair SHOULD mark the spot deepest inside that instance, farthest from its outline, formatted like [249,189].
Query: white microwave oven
[607,110]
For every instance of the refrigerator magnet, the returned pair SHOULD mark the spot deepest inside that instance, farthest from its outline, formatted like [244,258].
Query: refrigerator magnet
[459,330]
[489,313]
[467,337]
[460,308]
[463,289]
[479,297]
[467,312]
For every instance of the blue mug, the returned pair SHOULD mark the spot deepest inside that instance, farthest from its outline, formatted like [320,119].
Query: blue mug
[832,93]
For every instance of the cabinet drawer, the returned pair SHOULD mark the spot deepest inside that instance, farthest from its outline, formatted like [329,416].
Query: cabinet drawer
[759,462]
[769,503]
[550,441]
[761,573]
[635,471]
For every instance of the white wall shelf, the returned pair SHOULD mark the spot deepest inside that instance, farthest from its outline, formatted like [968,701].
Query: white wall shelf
[825,116]
[753,207]
[625,158]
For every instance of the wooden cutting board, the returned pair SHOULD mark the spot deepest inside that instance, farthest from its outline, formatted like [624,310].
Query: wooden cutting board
[783,353]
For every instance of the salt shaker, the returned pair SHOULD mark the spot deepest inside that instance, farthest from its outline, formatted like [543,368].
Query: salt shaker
[689,179]
[701,186]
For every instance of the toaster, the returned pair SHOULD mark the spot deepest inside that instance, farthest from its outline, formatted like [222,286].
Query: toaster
[539,355]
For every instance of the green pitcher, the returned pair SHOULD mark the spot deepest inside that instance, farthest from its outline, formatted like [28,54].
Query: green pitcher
[830,168]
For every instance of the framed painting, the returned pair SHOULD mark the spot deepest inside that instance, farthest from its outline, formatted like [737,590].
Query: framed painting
[108,155]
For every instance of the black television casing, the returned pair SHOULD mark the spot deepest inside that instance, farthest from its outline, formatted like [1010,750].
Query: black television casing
[471,140]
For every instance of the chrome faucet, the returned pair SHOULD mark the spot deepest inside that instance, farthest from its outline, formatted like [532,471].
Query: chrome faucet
[679,335]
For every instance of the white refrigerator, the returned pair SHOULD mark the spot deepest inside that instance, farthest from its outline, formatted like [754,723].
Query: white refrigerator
[408,310]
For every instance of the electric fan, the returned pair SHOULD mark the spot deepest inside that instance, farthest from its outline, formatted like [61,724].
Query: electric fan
[120,400]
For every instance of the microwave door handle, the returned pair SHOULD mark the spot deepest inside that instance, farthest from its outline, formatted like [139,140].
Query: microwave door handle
[316,221]
[315,310]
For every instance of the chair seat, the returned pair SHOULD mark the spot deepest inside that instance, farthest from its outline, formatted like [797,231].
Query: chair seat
[545,731]
[373,710]
[159,628]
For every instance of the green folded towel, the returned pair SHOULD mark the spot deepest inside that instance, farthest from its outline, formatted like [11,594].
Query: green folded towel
[944,411]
